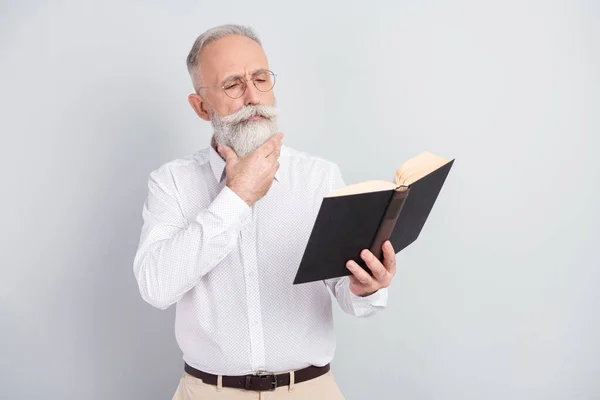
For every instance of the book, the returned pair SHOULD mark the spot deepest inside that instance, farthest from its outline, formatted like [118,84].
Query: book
[366,214]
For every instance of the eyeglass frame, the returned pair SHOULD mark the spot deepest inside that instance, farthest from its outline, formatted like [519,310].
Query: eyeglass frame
[222,87]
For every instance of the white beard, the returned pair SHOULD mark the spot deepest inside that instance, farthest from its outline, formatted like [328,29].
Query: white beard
[244,135]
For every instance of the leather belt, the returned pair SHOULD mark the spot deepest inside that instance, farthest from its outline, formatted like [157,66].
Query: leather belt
[261,382]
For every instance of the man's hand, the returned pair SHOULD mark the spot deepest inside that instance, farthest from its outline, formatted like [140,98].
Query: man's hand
[250,177]
[363,284]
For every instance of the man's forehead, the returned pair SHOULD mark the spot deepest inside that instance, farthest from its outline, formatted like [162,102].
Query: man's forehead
[230,56]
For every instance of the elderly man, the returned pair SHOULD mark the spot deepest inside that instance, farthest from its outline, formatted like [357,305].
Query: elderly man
[224,231]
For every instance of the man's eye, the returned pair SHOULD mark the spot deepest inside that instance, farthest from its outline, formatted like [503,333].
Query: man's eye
[260,80]
[231,86]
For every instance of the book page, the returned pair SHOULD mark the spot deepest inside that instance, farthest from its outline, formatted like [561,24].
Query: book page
[417,167]
[363,187]
[409,172]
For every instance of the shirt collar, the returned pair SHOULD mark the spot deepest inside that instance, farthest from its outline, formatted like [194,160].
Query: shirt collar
[217,164]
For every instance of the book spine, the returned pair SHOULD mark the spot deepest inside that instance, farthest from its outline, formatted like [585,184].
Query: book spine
[387,224]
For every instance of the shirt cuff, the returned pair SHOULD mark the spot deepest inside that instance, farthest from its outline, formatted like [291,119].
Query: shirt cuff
[230,208]
[377,299]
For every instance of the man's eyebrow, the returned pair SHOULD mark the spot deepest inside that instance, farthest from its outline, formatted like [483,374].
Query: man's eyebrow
[236,77]
[231,78]
[259,71]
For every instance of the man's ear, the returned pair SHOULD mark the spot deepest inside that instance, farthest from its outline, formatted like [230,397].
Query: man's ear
[199,105]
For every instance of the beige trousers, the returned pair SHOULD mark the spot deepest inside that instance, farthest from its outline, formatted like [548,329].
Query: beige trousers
[321,388]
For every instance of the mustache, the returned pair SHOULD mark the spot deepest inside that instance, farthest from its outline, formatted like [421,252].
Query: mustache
[247,112]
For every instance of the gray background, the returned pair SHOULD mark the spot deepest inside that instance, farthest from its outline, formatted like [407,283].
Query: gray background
[498,298]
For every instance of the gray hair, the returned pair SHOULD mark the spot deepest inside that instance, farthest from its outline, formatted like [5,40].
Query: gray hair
[210,36]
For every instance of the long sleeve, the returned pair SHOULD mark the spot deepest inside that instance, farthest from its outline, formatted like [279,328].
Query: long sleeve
[340,287]
[353,304]
[175,252]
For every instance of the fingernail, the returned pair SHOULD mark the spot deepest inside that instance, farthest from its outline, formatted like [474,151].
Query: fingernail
[365,255]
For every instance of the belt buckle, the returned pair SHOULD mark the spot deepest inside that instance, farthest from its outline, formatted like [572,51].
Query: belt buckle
[264,375]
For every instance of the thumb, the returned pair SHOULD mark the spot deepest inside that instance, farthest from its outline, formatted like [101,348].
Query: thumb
[227,153]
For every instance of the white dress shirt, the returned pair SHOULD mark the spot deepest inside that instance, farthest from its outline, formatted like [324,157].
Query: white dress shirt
[229,267]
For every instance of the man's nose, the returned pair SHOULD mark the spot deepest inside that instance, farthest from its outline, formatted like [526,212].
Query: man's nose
[251,95]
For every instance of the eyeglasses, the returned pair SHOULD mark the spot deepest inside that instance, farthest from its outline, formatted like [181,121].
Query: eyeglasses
[236,87]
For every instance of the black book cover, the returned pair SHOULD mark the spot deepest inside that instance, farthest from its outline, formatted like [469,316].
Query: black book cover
[345,225]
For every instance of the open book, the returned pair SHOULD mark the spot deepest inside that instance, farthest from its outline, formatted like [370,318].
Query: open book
[365,215]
